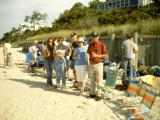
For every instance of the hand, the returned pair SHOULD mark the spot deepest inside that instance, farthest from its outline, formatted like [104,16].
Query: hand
[78,57]
[94,55]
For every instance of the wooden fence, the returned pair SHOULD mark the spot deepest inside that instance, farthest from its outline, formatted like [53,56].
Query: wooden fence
[148,47]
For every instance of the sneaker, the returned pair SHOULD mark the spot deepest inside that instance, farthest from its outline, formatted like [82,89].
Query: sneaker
[57,86]
[97,98]
[49,85]
[75,85]
[70,79]
[64,87]
[91,96]
[80,93]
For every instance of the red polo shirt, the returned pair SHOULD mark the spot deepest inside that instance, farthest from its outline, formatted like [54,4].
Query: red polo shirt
[98,48]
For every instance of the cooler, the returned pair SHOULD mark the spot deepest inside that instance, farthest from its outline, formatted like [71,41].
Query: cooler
[111,76]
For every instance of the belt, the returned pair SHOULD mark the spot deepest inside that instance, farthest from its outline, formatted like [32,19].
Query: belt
[96,62]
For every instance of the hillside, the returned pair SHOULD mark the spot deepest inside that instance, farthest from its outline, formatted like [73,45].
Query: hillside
[85,19]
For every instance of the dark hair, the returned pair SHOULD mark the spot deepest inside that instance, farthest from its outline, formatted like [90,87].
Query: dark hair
[48,43]
[49,39]
[128,35]
[73,34]
[40,42]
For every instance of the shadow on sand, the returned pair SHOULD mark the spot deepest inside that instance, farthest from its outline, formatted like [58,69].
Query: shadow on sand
[2,66]
[37,84]
[121,87]
[117,107]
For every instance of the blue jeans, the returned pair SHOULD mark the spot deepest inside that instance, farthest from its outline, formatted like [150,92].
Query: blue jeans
[128,68]
[60,68]
[49,68]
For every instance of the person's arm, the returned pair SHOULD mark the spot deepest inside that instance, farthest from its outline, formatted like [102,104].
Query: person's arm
[104,52]
[135,49]
[75,55]
[46,53]
[87,58]
[122,51]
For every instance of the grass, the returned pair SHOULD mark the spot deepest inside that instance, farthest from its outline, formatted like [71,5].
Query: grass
[149,27]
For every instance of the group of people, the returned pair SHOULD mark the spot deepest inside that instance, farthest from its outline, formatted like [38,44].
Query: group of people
[79,56]
[35,55]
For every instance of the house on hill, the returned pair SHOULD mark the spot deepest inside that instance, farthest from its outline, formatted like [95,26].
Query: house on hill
[116,4]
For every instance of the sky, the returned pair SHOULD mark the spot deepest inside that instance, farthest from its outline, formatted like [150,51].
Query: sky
[13,12]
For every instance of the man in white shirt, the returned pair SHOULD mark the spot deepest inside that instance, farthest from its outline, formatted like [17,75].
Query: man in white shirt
[128,48]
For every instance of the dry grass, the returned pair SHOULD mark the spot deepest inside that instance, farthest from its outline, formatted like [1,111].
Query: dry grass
[142,27]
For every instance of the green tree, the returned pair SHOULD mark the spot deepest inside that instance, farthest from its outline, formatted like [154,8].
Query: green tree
[14,31]
[35,18]
[156,2]
[94,3]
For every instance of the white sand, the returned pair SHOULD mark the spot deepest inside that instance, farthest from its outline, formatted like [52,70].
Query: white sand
[26,97]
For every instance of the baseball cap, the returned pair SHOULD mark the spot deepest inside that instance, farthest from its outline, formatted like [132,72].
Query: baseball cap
[95,34]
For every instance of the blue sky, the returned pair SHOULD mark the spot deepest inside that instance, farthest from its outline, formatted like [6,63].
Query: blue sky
[13,12]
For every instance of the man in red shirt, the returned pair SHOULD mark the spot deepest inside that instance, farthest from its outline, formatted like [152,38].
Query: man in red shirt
[97,52]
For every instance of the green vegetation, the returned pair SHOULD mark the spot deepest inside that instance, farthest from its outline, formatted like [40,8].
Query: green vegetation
[153,27]
[85,20]
[35,18]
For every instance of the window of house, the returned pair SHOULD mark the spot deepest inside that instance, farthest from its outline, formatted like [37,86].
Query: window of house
[126,3]
[122,3]
[118,4]
[110,6]
[114,5]
[106,6]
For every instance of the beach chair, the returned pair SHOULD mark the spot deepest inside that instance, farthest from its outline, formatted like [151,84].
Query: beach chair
[133,88]
[143,110]
[136,110]
[107,90]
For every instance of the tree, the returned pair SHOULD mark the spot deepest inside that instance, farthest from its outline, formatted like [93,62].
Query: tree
[35,18]
[14,31]
[156,2]
[27,18]
[93,4]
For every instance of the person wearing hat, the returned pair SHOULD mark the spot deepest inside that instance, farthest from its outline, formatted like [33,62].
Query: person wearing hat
[81,62]
[97,52]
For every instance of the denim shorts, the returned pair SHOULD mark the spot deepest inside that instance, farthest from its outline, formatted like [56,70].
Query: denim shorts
[72,64]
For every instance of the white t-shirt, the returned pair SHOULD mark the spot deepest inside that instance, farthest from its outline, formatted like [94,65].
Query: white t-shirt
[8,46]
[33,50]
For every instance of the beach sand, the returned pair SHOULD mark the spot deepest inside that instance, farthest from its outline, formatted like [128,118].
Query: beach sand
[24,96]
